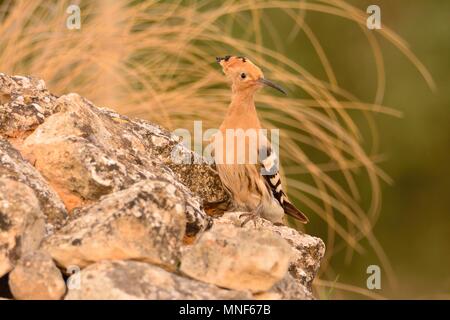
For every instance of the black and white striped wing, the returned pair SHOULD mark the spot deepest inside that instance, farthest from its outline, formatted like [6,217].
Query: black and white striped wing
[269,169]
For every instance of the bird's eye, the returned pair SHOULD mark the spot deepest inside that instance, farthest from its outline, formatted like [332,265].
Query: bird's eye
[243,75]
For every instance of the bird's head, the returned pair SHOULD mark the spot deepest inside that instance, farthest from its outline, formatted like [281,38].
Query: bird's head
[244,75]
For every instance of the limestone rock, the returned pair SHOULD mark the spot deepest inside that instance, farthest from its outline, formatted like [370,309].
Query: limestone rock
[24,104]
[14,167]
[131,280]
[36,277]
[86,152]
[189,168]
[22,225]
[267,295]
[287,288]
[290,288]
[81,157]
[144,222]
[308,250]
[237,258]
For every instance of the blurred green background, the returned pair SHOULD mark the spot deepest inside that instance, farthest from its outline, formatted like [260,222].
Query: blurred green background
[414,227]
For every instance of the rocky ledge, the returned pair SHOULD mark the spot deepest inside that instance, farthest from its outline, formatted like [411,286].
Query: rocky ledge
[92,206]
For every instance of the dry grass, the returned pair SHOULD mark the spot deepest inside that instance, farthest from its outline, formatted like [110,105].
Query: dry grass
[155,60]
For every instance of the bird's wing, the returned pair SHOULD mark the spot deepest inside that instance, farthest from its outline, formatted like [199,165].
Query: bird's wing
[269,169]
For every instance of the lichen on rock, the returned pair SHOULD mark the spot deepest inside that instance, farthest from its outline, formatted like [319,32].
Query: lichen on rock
[237,258]
[22,225]
[14,167]
[85,153]
[125,280]
[145,222]
[25,102]
[36,277]
[307,250]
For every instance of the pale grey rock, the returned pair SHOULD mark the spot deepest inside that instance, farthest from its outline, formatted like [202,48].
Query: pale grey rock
[22,225]
[130,280]
[308,250]
[290,288]
[145,222]
[14,167]
[85,152]
[237,258]
[199,176]
[36,277]
[24,104]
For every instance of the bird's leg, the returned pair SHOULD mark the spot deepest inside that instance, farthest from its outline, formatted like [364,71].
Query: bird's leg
[252,215]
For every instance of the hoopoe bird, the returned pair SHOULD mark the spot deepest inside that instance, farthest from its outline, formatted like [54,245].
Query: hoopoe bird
[246,163]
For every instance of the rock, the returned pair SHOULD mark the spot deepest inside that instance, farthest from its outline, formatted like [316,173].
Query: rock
[36,277]
[14,167]
[145,222]
[290,288]
[22,225]
[196,173]
[24,104]
[82,158]
[267,296]
[237,258]
[85,152]
[125,280]
[308,250]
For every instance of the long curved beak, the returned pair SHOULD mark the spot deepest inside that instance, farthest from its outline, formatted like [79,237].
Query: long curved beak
[272,84]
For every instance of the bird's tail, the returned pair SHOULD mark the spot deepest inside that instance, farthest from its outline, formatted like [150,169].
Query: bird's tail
[292,211]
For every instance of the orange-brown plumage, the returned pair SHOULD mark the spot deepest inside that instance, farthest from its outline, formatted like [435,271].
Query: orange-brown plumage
[255,186]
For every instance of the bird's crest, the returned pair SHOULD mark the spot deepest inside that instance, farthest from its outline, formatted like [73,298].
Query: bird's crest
[244,74]
[235,65]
